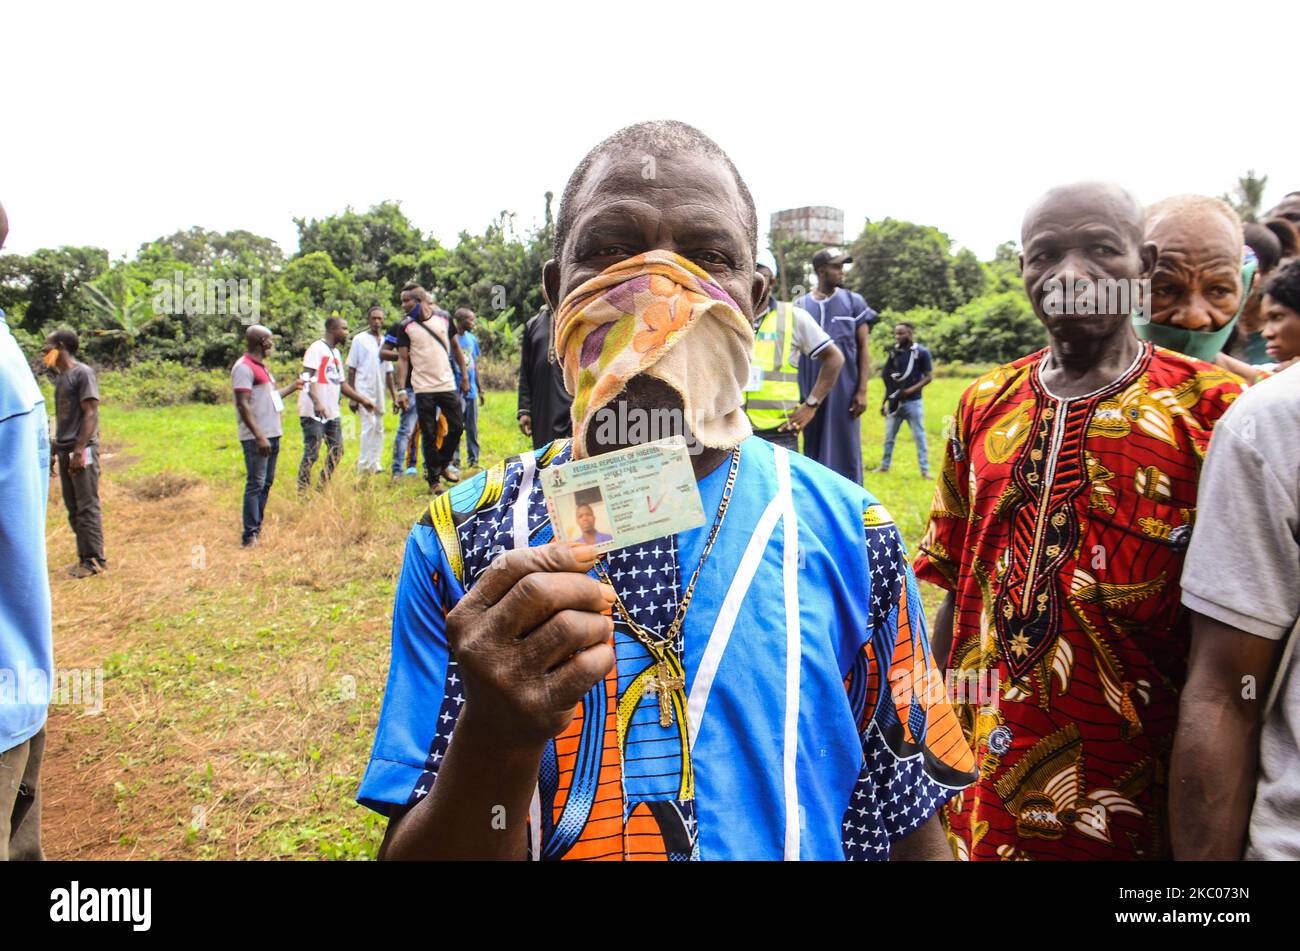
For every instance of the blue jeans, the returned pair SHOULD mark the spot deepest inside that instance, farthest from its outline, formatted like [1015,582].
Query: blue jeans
[405,426]
[469,412]
[259,474]
[313,431]
[913,413]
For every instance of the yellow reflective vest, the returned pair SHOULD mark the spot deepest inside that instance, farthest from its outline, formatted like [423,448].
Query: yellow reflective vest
[773,391]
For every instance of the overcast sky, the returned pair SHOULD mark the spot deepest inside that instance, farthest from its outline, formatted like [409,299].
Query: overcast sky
[127,121]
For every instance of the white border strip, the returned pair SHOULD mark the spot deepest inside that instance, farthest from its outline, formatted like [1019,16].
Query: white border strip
[519,539]
[726,618]
[793,654]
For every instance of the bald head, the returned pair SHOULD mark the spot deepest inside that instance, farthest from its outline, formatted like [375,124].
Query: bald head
[1197,282]
[1211,219]
[258,340]
[1102,201]
[1084,242]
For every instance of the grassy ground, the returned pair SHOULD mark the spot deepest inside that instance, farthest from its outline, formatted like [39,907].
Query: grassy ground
[241,688]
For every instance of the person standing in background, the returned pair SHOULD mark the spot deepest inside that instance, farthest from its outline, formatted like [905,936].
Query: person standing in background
[318,404]
[1235,776]
[543,401]
[76,440]
[784,334]
[426,351]
[26,641]
[472,398]
[834,436]
[370,375]
[908,369]
[258,405]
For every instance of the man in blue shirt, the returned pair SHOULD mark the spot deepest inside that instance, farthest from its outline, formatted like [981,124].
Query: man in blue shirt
[472,398]
[834,436]
[26,645]
[907,371]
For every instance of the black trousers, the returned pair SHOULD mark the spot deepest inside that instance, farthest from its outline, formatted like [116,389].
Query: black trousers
[428,406]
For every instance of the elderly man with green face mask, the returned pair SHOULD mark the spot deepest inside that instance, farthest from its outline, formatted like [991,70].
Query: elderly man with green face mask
[1203,277]
[683,698]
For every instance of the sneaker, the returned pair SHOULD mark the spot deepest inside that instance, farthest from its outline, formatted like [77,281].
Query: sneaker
[84,570]
[451,474]
[412,471]
[252,541]
[880,469]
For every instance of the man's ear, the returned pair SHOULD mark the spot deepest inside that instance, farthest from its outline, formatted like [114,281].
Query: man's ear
[1149,254]
[551,284]
[757,294]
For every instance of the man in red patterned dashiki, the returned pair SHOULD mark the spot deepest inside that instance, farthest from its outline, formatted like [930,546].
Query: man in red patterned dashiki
[1058,529]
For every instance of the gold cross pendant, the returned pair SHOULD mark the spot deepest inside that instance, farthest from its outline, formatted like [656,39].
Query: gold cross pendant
[662,684]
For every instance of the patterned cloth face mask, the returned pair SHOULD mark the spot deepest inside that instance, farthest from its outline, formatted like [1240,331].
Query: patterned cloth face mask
[661,315]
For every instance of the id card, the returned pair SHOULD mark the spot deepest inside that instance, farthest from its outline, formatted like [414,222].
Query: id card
[624,497]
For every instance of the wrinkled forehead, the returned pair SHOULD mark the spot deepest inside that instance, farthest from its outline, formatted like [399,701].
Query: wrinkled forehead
[1200,233]
[664,192]
[1083,207]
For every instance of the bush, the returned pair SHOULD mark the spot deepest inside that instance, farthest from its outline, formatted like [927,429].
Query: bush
[163,383]
[992,329]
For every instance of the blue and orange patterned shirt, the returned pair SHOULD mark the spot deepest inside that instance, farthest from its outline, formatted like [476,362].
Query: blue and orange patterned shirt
[812,724]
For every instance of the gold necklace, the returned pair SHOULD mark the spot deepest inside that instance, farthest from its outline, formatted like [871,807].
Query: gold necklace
[669,678]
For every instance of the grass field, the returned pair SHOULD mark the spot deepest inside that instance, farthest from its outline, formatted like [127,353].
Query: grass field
[241,688]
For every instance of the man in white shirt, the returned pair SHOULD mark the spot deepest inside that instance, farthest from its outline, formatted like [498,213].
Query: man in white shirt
[783,332]
[318,404]
[370,375]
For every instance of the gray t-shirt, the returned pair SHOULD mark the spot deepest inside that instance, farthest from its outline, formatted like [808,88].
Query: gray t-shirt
[70,388]
[249,376]
[1243,569]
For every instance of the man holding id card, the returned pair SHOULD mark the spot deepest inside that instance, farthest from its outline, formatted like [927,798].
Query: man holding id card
[742,670]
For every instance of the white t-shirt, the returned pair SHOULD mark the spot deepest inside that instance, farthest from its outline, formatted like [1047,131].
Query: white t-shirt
[325,364]
[806,337]
[363,357]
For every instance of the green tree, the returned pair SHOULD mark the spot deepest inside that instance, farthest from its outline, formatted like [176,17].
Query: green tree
[899,265]
[1247,195]
[379,244]
[42,290]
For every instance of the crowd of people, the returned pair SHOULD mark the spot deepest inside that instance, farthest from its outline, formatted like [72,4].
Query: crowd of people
[1115,529]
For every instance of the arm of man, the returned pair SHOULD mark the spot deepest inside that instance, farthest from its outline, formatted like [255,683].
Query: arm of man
[524,412]
[941,639]
[244,405]
[859,403]
[459,356]
[814,342]
[403,374]
[1216,750]
[89,422]
[389,376]
[928,843]
[351,393]
[532,637]
[1248,483]
[352,382]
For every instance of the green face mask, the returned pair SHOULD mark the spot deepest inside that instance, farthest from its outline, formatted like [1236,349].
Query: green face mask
[1201,344]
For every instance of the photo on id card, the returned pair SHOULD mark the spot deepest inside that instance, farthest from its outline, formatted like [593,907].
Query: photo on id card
[624,497]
